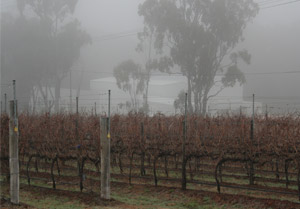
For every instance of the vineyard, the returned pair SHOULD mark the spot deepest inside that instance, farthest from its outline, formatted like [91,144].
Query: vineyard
[220,152]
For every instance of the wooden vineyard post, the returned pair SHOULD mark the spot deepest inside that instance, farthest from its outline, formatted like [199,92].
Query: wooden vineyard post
[251,171]
[105,159]
[183,180]
[14,154]
[143,171]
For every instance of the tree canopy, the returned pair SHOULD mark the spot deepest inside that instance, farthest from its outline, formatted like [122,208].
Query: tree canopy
[198,35]
[130,79]
[41,47]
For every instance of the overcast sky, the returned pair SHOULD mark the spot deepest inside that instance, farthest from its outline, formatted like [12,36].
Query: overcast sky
[113,16]
[102,18]
[113,24]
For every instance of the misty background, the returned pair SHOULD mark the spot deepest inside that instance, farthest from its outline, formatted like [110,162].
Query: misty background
[109,37]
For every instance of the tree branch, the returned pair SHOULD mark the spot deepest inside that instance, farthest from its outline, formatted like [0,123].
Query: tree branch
[221,89]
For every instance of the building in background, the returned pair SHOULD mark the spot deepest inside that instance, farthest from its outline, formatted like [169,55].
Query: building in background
[163,90]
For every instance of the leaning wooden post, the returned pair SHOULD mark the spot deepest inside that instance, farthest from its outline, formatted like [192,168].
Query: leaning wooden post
[105,159]
[14,154]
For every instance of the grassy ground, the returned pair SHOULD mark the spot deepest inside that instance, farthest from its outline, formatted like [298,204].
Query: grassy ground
[135,196]
[123,197]
[142,194]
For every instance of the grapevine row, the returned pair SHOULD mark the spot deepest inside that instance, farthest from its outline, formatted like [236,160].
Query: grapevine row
[222,139]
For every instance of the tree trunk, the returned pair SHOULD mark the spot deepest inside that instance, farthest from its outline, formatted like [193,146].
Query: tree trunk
[154,171]
[196,102]
[120,162]
[277,169]
[251,173]
[286,170]
[57,94]
[190,105]
[183,175]
[146,106]
[130,166]
[204,104]
[52,174]
[166,166]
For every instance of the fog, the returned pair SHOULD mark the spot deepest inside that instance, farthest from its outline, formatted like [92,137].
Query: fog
[273,41]
[271,37]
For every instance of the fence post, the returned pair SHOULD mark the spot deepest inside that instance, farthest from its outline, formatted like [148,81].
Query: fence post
[105,159]
[183,180]
[14,154]
[77,119]
[143,171]
[108,125]
[251,171]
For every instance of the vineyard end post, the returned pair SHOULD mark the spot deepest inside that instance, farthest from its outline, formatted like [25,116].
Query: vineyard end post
[105,159]
[14,154]
[253,116]
[251,176]
[143,171]
[109,103]
[70,92]
[183,180]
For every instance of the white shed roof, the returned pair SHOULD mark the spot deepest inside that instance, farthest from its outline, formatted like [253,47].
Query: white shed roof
[154,80]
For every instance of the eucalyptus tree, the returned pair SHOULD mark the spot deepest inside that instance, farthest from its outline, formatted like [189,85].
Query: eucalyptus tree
[47,40]
[64,32]
[132,80]
[199,36]
[155,60]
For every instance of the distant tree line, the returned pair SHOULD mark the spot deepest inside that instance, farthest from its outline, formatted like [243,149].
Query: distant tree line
[39,46]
